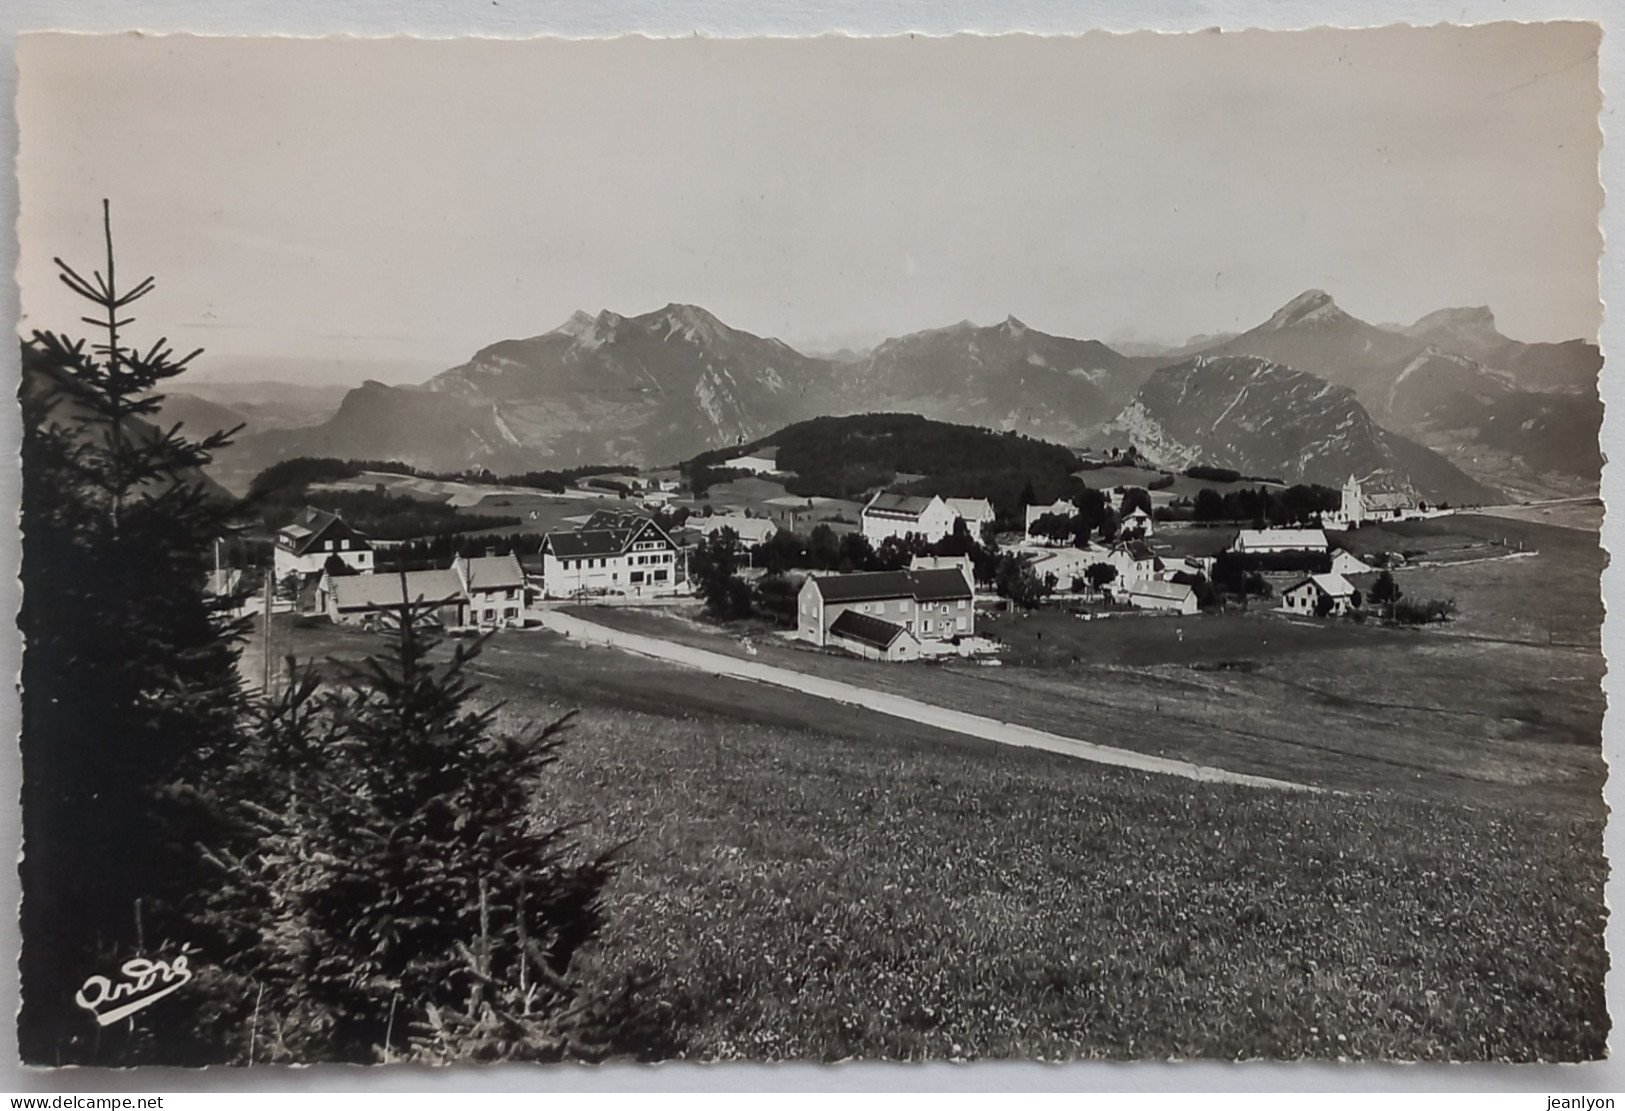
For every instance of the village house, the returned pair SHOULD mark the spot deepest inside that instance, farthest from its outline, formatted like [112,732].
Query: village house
[900,515]
[1134,563]
[1305,596]
[977,513]
[1137,525]
[1034,513]
[612,553]
[1276,540]
[932,606]
[304,546]
[1170,597]
[493,590]
[485,591]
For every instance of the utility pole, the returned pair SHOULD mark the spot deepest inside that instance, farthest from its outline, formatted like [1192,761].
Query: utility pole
[270,580]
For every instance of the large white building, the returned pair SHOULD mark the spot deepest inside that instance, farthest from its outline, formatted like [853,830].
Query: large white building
[900,515]
[613,553]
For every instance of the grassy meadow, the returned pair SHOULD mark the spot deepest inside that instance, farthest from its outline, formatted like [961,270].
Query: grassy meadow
[803,880]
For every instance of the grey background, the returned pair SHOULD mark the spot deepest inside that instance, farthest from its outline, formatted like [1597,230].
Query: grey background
[583,18]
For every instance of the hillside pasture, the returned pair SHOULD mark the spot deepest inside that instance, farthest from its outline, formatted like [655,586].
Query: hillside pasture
[1330,704]
[805,881]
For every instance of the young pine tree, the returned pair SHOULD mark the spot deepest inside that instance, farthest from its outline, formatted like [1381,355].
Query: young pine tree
[396,894]
[129,669]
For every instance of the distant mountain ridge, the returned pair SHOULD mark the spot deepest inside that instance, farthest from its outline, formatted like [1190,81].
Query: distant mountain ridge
[1260,417]
[1006,376]
[668,384]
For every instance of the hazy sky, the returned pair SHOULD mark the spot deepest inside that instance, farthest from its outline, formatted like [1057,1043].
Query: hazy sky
[415,200]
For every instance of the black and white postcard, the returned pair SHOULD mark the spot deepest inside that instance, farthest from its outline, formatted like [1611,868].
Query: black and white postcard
[809,549]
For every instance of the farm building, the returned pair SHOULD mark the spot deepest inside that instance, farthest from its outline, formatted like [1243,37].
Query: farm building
[361,599]
[899,515]
[1035,513]
[934,605]
[315,536]
[750,530]
[1149,594]
[872,638]
[612,553]
[1305,596]
[488,591]
[1270,541]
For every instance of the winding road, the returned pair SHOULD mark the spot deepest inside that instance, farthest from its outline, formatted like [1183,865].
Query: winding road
[956,721]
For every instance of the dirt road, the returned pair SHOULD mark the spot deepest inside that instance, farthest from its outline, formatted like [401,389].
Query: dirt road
[893,705]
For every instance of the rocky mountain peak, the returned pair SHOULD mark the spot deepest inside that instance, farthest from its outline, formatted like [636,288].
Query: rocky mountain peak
[1313,306]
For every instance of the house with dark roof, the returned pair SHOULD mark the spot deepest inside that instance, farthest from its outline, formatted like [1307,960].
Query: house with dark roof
[304,545]
[899,515]
[932,606]
[872,638]
[612,553]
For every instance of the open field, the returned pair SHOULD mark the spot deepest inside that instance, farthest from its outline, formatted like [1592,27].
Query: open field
[1337,705]
[1554,598]
[805,881]
[1578,513]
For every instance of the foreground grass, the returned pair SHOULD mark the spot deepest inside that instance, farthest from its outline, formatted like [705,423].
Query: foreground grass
[800,895]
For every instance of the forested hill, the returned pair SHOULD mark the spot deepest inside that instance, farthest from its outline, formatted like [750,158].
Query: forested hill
[844,457]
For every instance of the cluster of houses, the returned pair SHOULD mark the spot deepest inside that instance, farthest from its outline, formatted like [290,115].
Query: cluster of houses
[333,571]
[926,610]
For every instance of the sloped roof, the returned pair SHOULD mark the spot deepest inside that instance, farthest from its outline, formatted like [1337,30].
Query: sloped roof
[384,591]
[934,585]
[492,572]
[616,519]
[970,507]
[1332,583]
[1137,550]
[866,629]
[1307,538]
[589,542]
[898,505]
[313,526]
[939,584]
[1173,592]
[606,533]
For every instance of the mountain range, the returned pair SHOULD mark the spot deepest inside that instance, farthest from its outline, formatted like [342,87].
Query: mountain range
[668,384]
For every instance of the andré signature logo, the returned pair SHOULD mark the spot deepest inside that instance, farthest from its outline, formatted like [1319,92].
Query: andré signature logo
[144,983]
